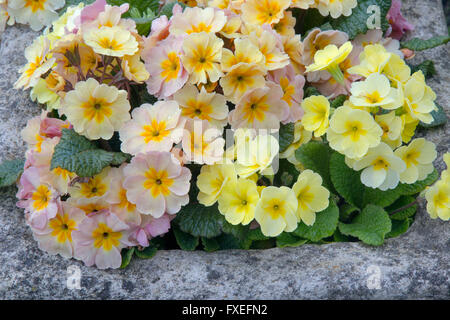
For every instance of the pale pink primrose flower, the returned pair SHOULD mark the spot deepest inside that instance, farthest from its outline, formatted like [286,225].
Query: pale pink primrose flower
[398,24]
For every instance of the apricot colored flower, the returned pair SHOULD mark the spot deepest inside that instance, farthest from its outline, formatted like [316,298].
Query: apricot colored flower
[134,69]
[245,51]
[152,128]
[261,12]
[202,105]
[93,188]
[156,183]
[269,44]
[111,41]
[196,20]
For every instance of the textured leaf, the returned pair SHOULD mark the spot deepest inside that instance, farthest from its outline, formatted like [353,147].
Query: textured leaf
[287,174]
[185,240]
[356,23]
[239,231]
[289,240]
[200,221]
[286,136]
[419,186]
[77,154]
[380,198]
[370,226]
[324,226]
[439,118]
[210,245]
[10,171]
[167,9]
[347,211]
[400,203]
[127,254]
[417,44]
[147,253]
[399,227]
[338,101]
[310,91]
[316,156]
[256,235]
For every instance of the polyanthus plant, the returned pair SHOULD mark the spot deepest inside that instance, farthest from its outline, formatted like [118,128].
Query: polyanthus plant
[235,123]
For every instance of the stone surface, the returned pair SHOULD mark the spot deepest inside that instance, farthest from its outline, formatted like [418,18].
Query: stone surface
[415,265]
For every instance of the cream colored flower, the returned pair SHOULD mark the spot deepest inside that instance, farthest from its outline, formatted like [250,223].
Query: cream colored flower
[336,8]
[261,12]
[111,41]
[212,180]
[36,13]
[438,201]
[196,20]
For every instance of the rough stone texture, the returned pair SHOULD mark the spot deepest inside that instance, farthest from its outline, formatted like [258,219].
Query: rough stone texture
[415,265]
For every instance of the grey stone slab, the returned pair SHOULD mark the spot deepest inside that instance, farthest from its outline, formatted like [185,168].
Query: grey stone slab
[415,265]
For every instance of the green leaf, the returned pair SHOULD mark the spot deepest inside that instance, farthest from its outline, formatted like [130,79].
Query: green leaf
[147,253]
[286,136]
[417,44]
[380,198]
[370,226]
[347,211]
[200,221]
[210,245]
[311,19]
[228,242]
[400,203]
[167,9]
[419,186]
[311,91]
[339,237]
[439,118]
[185,240]
[239,231]
[127,254]
[427,68]
[70,3]
[76,153]
[315,156]
[324,226]
[256,235]
[289,240]
[287,173]
[338,101]
[399,227]
[10,170]
[357,22]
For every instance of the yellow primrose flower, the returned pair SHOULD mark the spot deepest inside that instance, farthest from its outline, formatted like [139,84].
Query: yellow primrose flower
[301,136]
[211,181]
[65,22]
[256,155]
[329,59]
[293,47]
[202,56]
[336,8]
[242,78]
[438,200]
[93,188]
[317,111]
[392,128]
[111,41]
[231,28]
[45,90]
[38,63]
[352,132]
[382,168]
[36,13]
[96,110]
[303,4]
[445,176]
[397,70]
[276,211]
[202,105]
[409,125]
[372,60]
[134,69]
[261,12]
[286,25]
[267,43]
[238,200]
[375,91]
[419,98]
[245,51]
[418,156]
[312,197]
[196,20]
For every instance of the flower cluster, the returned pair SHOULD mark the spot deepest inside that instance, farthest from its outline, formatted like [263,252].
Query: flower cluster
[163,103]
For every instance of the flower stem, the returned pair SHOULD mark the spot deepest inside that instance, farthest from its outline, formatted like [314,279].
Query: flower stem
[336,73]
[404,207]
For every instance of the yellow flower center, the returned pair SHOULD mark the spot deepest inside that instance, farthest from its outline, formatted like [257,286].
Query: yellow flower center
[411,158]
[440,199]
[41,197]
[380,164]
[304,197]
[255,109]
[63,173]
[105,237]
[110,44]
[96,109]
[171,67]
[62,227]
[155,131]
[35,5]
[124,203]
[275,208]
[288,89]
[197,109]
[354,130]
[201,27]
[157,182]
[267,11]
[373,97]
[93,188]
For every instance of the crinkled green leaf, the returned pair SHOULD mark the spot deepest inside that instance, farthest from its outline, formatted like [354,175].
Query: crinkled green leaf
[287,173]
[310,91]
[256,235]
[289,240]
[315,156]
[419,186]
[76,153]
[210,245]
[339,237]
[400,203]
[338,101]
[127,254]
[200,221]
[357,22]
[399,227]
[239,231]
[10,171]
[370,226]
[417,44]
[439,118]
[146,253]
[347,211]
[286,136]
[185,240]
[324,226]
[427,68]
